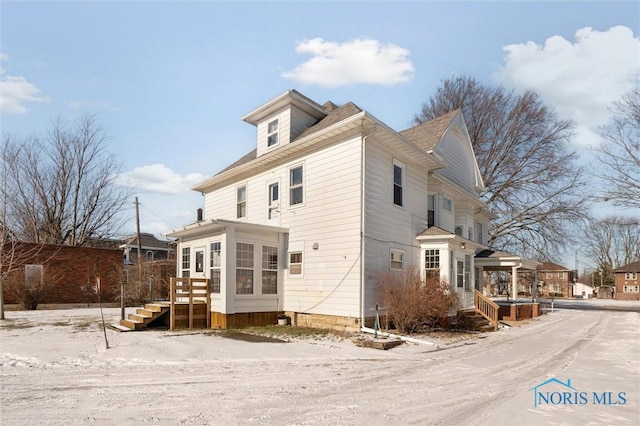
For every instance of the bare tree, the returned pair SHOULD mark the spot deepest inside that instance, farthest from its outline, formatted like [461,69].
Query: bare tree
[612,242]
[533,184]
[63,186]
[620,152]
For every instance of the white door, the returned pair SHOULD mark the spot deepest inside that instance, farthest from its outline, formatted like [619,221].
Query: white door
[273,205]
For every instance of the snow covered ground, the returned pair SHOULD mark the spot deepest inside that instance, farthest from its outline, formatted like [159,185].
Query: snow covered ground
[56,370]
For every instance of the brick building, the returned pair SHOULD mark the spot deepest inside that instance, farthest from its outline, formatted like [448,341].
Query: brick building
[627,280]
[555,280]
[67,273]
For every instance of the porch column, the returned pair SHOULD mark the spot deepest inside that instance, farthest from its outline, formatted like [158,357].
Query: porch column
[514,282]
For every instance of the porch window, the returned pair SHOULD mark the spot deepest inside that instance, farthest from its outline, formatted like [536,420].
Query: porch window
[432,263]
[295,263]
[398,183]
[272,133]
[269,270]
[397,259]
[296,186]
[215,262]
[241,202]
[244,268]
[460,273]
[186,261]
[467,272]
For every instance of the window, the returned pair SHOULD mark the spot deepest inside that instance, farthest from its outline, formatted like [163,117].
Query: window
[447,204]
[186,261]
[467,272]
[244,268]
[33,275]
[269,270]
[479,231]
[296,186]
[432,263]
[431,210]
[458,231]
[215,262]
[548,275]
[460,273]
[241,201]
[397,259]
[560,274]
[199,260]
[631,289]
[272,133]
[398,184]
[631,276]
[295,263]
[273,200]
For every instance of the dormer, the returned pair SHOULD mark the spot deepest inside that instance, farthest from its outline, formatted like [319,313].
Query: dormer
[281,120]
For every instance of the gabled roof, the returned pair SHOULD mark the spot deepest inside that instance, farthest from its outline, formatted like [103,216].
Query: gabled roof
[631,267]
[147,241]
[427,135]
[550,266]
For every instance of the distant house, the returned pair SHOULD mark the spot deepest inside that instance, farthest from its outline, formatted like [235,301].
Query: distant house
[68,272]
[555,280]
[330,199]
[627,282]
[152,248]
[584,291]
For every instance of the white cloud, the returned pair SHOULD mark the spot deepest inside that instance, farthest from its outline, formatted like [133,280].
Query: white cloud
[16,91]
[581,79]
[356,61]
[159,179]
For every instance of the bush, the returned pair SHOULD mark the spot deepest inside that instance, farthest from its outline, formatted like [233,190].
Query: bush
[30,291]
[412,302]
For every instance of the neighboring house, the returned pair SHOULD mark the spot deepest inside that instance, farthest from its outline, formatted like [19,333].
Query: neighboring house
[330,199]
[555,280]
[152,248]
[584,291]
[67,272]
[627,279]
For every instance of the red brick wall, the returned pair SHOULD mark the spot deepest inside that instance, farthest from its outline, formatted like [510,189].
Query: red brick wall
[77,269]
[620,283]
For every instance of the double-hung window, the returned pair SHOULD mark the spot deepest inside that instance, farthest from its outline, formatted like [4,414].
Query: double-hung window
[241,201]
[269,270]
[467,272]
[431,210]
[432,263]
[244,268]
[295,263]
[186,261]
[398,183]
[272,133]
[397,259]
[460,273]
[296,186]
[215,263]
[631,276]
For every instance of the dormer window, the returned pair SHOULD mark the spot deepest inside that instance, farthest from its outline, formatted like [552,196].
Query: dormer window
[272,133]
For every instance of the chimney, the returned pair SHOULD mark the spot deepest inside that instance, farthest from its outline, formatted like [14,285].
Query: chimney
[199,215]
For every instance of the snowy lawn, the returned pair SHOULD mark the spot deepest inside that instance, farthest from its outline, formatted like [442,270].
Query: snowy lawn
[55,369]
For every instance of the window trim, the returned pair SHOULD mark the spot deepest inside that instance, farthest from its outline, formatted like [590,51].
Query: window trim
[293,187]
[301,263]
[447,203]
[241,203]
[432,267]
[251,268]
[399,252]
[269,267]
[215,287]
[185,262]
[273,133]
[403,178]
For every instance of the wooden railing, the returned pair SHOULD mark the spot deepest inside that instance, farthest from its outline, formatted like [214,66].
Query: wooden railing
[487,308]
[189,290]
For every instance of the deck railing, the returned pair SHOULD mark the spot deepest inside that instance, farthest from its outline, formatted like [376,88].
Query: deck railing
[189,290]
[487,308]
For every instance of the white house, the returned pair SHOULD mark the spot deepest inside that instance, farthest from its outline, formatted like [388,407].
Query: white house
[330,199]
[581,290]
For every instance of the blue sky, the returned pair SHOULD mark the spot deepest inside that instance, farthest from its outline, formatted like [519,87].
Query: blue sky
[169,81]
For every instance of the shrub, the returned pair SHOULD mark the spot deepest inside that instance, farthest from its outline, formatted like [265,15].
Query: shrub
[412,302]
[29,291]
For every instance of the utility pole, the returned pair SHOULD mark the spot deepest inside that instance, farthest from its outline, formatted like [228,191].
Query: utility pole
[139,241]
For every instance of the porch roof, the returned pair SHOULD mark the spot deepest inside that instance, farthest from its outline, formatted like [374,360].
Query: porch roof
[212,226]
[491,260]
[434,234]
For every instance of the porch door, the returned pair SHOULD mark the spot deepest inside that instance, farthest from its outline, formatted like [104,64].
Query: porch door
[273,206]
[198,267]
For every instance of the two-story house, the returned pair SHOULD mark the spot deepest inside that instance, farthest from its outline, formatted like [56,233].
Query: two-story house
[330,199]
[555,280]
[627,280]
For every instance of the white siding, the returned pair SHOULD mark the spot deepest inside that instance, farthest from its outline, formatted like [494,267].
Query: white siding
[300,121]
[284,127]
[460,162]
[329,216]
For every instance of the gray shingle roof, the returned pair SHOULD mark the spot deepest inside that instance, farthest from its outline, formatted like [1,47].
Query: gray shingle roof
[427,135]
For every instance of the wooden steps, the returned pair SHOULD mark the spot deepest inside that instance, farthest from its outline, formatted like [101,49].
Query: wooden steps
[469,319]
[144,317]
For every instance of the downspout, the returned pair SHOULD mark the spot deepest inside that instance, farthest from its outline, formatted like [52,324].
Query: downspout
[362,218]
